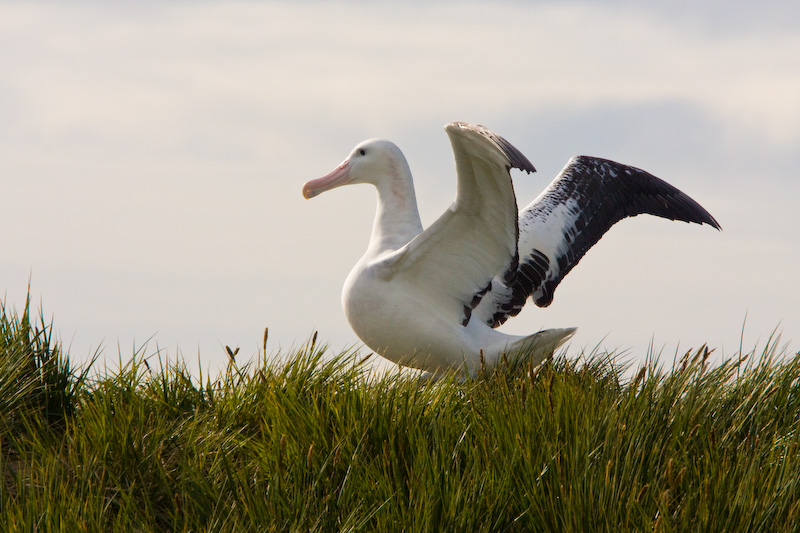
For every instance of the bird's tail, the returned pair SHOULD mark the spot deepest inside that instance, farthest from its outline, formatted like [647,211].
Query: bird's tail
[537,347]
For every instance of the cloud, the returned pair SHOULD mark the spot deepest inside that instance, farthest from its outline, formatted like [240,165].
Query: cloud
[155,153]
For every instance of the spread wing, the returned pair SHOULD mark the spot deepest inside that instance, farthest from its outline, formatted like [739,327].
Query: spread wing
[475,240]
[588,197]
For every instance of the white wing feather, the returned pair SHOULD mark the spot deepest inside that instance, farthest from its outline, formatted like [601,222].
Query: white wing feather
[475,240]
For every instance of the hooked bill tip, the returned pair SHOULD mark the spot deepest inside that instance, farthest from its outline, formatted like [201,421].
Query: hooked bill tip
[308,192]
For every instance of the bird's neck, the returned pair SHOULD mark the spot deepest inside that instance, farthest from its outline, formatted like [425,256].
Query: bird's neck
[397,219]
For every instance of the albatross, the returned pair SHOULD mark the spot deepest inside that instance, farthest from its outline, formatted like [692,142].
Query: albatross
[432,298]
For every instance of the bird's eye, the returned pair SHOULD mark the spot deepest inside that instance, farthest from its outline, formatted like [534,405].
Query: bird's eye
[362,152]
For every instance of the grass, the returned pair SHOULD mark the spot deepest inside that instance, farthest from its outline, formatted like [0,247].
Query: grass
[303,441]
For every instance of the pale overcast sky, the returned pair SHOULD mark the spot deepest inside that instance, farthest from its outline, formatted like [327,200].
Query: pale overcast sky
[152,156]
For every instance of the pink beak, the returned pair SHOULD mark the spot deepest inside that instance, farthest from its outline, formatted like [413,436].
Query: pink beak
[339,176]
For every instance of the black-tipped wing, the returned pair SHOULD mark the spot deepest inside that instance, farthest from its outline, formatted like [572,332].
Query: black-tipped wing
[475,240]
[588,197]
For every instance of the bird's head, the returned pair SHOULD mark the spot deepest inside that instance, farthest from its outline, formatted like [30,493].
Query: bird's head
[369,162]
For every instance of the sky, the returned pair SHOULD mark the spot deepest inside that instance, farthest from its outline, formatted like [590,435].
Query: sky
[152,156]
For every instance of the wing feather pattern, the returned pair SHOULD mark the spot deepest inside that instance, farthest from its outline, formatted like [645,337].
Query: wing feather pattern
[588,197]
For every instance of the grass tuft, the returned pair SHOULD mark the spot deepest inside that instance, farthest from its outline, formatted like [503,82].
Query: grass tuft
[309,440]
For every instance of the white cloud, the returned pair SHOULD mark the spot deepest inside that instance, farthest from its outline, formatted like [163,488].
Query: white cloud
[155,153]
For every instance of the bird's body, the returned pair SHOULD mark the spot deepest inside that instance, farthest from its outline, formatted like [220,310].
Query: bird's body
[430,299]
[392,320]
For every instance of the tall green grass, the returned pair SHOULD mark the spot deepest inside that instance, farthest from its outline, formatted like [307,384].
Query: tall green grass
[308,441]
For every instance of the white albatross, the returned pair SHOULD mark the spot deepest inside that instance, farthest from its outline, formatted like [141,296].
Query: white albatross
[430,299]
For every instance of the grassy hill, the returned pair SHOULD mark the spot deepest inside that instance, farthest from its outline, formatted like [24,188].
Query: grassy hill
[303,441]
